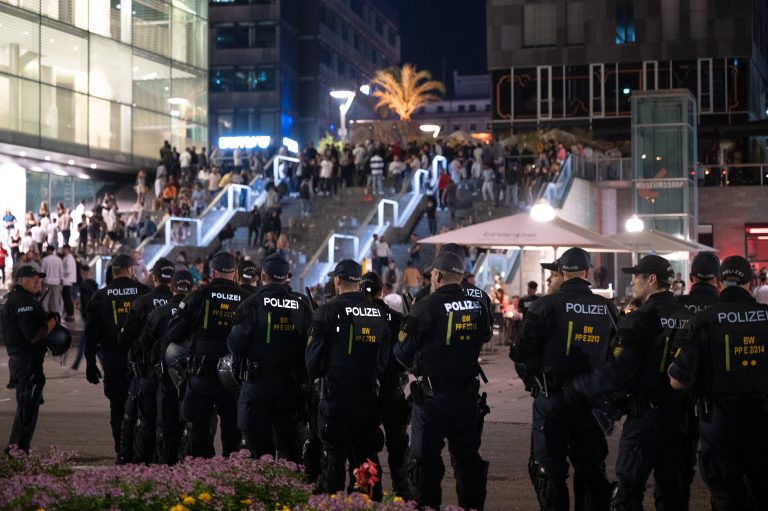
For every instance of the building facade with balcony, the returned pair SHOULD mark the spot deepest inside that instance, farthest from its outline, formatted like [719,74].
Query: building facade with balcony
[88,86]
[274,62]
[468,109]
[576,63]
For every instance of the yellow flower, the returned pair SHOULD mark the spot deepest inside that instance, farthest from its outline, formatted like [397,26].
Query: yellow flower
[205,497]
[41,509]
[188,500]
[246,502]
[366,497]
[333,496]
[398,500]
[285,508]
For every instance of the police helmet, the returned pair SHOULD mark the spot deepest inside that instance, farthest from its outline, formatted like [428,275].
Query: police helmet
[176,357]
[58,340]
[229,372]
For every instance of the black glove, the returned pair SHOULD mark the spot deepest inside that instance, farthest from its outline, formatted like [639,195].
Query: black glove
[92,374]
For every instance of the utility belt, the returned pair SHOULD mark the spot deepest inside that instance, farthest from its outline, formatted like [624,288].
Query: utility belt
[141,368]
[544,383]
[330,388]
[394,383]
[425,386]
[203,365]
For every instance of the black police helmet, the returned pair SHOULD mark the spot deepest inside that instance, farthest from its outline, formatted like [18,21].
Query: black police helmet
[58,340]
[371,283]
[176,357]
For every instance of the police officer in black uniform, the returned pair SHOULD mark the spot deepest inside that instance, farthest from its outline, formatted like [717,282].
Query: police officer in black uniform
[657,418]
[137,439]
[439,342]
[704,278]
[347,349]
[107,312]
[395,410]
[25,325]
[527,300]
[725,361]
[248,275]
[704,292]
[202,324]
[165,413]
[565,334]
[270,331]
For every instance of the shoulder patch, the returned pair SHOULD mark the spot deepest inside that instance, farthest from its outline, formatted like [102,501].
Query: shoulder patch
[182,305]
[402,336]
[617,351]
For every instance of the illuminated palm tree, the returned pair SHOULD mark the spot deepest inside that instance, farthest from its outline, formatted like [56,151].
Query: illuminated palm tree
[405,90]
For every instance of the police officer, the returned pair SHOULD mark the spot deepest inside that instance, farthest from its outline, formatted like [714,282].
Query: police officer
[137,439]
[704,292]
[347,349]
[439,342]
[202,324]
[657,415]
[527,300]
[25,325]
[107,312]
[704,279]
[725,360]
[248,274]
[563,335]
[165,413]
[395,410]
[270,331]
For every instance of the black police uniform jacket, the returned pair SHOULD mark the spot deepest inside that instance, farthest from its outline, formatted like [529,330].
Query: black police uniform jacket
[726,354]
[152,340]
[390,379]
[249,289]
[271,329]
[107,312]
[137,319]
[442,335]
[642,353]
[469,290]
[702,296]
[25,324]
[347,341]
[566,333]
[204,320]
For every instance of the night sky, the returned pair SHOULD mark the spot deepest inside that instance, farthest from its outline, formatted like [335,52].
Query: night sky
[431,30]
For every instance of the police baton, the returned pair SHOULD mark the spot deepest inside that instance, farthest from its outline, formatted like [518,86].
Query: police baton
[407,302]
[311,300]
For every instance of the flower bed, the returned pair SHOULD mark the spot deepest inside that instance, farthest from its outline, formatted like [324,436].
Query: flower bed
[52,482]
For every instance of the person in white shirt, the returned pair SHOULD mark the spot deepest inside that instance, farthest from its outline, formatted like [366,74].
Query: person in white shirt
[488,179]
[79,213]
[27,243]
[54,275]
[392,299]
[185,161]
[52,234]
[377,174]
[396,169]
[38,237]
[761,291]
[68,279]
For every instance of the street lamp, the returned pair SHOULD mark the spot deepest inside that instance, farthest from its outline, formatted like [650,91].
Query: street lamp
[347,96]
[430,128]
[634,224]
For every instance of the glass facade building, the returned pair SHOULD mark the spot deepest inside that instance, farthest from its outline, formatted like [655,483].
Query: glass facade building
[106,80]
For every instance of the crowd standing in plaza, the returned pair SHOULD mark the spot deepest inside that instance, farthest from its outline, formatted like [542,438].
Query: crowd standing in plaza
[321,380]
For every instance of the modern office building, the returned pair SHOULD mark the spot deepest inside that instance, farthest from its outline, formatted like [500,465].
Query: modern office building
[88,86]
[274,62]
[558,63]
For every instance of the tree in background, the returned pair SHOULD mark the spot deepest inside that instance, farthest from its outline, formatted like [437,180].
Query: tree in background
[405,90]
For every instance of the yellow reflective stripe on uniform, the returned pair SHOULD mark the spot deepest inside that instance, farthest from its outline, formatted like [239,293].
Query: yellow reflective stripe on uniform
[269,327]
[114,311]
[450,329]
[568,342]
[727,352]
[664,356]
[205,319]
[349,347]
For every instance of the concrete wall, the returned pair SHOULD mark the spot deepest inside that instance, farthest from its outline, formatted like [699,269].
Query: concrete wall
[728,209]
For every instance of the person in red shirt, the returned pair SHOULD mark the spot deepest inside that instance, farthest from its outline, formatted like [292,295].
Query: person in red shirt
[442,186]
[3,255]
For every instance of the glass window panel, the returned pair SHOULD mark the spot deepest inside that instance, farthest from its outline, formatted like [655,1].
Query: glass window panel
[64,59]
[62,115]
[61,191]
[38,189]
[151,83]
[19,105]
[111,18]
[149,129]
[190,6]
[221,79]
[109,125]
[151,26]
[187,41]
[185,134]
[29,5]
[189,94]
[109,76]
[19,46]
[71,12]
